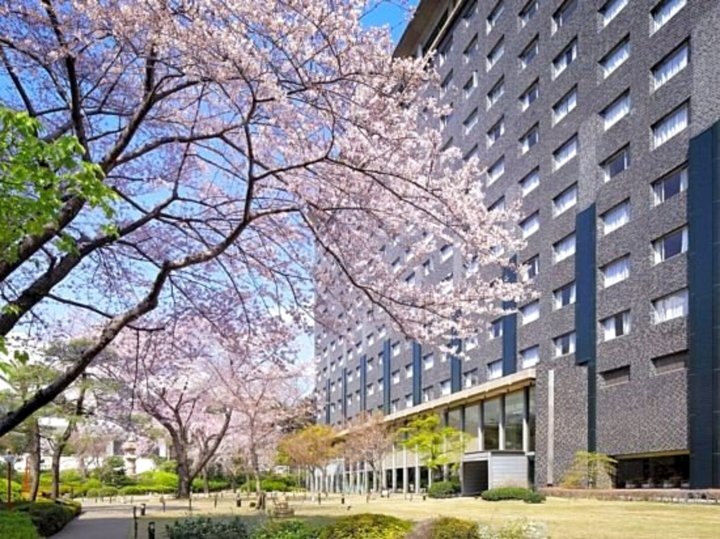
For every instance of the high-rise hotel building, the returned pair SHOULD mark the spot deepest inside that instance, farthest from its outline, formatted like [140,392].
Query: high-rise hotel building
[602,117]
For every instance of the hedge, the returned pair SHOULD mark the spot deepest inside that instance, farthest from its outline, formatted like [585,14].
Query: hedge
[453,528]
[49,517]
[443,489]
[206,528]
[366,526]
[512,493]
[17,525]
[285,529]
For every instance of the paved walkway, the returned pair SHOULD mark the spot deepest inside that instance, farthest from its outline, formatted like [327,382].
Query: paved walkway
[99,522]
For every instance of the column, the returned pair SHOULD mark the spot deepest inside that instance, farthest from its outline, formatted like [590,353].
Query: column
[501,427]
[417,472]
[526,420]
[393,479]
[404,471]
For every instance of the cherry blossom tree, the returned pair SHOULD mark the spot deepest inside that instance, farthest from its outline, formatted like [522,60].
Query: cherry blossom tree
[368,440]
[244,142]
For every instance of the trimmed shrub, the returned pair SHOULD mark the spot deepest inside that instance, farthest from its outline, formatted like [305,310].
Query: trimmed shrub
[443,489]
[285,529]
[49,517]
[512,493]
[17,525]
[158,479]
[205,528]
[16,491]
[453,528]
[366,526]
[108,492]
[214,485]
[133,490]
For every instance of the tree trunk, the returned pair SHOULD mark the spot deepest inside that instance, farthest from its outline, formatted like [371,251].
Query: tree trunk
[206,481]
[82,468]
[183,470]
[34,458]
[258,483]
[55,471]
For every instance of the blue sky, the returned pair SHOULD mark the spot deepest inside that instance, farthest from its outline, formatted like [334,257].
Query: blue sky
[389,13]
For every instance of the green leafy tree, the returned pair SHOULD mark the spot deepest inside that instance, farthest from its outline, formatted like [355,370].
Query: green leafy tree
[436,445]
[590,470]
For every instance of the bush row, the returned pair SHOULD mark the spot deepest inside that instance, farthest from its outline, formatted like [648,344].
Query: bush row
[45,516]
[513,493]
[444,489]
[15,525]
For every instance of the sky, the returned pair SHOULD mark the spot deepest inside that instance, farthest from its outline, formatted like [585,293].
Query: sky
[390,13]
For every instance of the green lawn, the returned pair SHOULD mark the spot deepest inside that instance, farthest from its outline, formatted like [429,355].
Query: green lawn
[565,518]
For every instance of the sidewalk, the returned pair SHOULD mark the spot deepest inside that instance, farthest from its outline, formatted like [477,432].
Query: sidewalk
[99,522]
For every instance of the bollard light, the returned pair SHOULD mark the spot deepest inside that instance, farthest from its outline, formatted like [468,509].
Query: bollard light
[151,530]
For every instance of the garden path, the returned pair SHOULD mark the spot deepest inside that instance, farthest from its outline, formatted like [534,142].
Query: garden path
[99,522]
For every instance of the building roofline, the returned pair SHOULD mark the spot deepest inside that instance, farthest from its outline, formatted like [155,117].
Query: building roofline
[425,13]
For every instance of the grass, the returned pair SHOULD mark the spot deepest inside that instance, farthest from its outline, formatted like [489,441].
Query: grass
[565,518]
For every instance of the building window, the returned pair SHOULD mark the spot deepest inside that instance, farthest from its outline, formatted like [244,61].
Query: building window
[616,111]
[565,106]
[670,245]
[614,377]
[616,57]
[564,248]
[446,285]
[496,131]
[564,296]
[470,378]
[530,182]
[471,121]
[616,217]
[565,200]
[396,377]
[664,11]
[616,271]
[496,328]
[528,12]
[671,125]
[427,394]
[530,95]
[469,11]
[408,401]
[473,153]
[529,357]
[564,59]
[496,170]
[370,390]
[395,405]
[564,344]
[446,252]
[445,388]
[612,9]
[408,370]
[428,361]
[494,369]
[616,325]
[471,49]
[565,152]
[494,16]
[470,85]
[491,424]
[530,312]
[529,53]
[530,225]
[531,268]
[427,267]
[498,205]
[563,14]
[530,139]
[670,185]
[395,347]
[445,84]
[672,306]
[616,163]
[670,66]
[495,54]
[496,92]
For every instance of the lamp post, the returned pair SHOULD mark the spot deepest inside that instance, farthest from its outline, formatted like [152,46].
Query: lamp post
[10,460]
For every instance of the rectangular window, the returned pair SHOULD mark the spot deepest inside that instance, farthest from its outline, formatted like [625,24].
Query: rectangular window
[495,54]
[529,53]
[498,205]
[614,377]
[446,83]
[671,125]
[496,329]
[408,370]
[444,51]
[564,296]
[565,152]
[395,405]
[530,95]
[565,106]
[496,92]
[408,401]
[616,57]
[469,11]
[564,59]
[672,306]
[496,131]
[446,252]
[427,394]
[496,170]
[670,185]
[616,164]
[530,139]
[616,111]
[670,245]
[564,248]
[445,388]
[563,14]
[472,153]
[395,349]
[491,423]
[470,85]
[564,344]
[494,16]
[529,357]
[532,267]
[428,362]
[612,9]
[471,49]
[616,217]
[471,121]
[530,225]
[670,363]
[370,390]
[494,369]
[565,200]
[396,377]
[470,378]
[530,312]
[616,271]
[670,66]
[528,12]
[616,325]
[664,11]
[530,182]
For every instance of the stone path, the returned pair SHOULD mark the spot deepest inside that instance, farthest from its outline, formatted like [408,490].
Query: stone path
[99,522]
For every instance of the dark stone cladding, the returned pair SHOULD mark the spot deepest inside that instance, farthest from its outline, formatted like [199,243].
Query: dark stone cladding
[649,413]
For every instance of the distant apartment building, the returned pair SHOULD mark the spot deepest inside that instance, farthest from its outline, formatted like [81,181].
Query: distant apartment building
[602,117]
